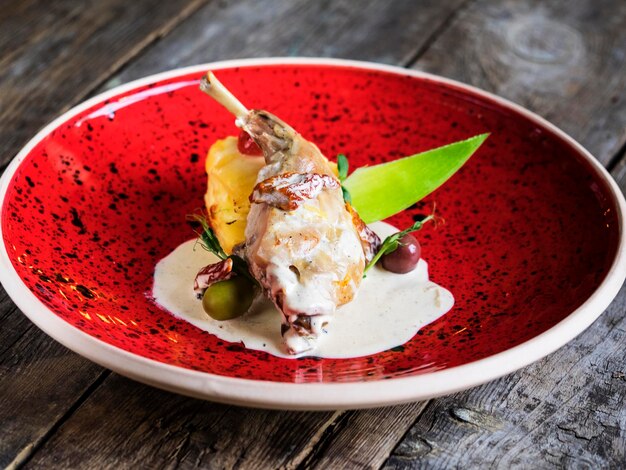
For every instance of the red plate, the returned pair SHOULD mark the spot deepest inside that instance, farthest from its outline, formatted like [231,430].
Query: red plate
[532,236]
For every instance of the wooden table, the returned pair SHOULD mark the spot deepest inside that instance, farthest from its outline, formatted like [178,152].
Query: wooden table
[563,59]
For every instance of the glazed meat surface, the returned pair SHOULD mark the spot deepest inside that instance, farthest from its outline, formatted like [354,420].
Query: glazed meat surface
[305,246]
[308,256]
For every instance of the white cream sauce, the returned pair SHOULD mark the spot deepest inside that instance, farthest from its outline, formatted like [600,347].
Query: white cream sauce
[388,310]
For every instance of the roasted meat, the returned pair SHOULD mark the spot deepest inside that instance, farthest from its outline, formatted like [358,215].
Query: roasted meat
[306,247]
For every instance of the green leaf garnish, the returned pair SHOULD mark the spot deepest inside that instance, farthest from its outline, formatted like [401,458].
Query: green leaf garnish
[342,173]
[383,190]
[346,195]
[342,166]
[240,266]
[208,240]
[391,243]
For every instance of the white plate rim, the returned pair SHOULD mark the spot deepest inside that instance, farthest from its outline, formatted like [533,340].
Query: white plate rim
[314,396]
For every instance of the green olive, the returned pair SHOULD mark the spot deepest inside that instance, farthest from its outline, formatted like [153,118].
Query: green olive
[228,299]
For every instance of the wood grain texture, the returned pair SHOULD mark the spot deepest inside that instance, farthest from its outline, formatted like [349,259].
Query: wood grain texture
[388,32]
[363,439]
[214,32]
[52,54]
[619,171]
[12,324]
[128,425]
[564,60]
[139,426]
[39,382]
[568,409]
[25,22]
[71,48]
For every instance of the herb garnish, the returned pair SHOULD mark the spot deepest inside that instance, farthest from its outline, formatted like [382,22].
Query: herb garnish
[208,241]
[342,173]
[392,242]
[207,238]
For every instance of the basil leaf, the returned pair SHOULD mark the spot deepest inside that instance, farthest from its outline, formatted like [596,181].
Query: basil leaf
[383,190]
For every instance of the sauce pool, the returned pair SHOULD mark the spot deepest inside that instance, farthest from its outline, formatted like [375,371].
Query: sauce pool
[388,310]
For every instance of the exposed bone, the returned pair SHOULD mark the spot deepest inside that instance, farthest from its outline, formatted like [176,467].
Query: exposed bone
[214,88]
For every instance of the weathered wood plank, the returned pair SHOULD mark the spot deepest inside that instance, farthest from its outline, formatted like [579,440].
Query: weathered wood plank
[12,323]
[215,32]
[567,410]
[562,412]
[142,426]
[564,60]
[160,413]
[389,32]
[619,172]
[364,439]
[71,49]
[52,55]
[24,22]
[39,381]
[128,425]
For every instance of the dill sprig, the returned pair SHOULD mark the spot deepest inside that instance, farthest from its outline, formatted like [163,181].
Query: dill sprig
[207,238]
[209,241]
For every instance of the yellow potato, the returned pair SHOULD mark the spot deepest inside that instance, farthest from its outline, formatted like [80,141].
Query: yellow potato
[231,179]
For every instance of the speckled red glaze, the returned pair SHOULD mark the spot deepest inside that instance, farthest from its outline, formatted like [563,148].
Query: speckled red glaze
[530,229]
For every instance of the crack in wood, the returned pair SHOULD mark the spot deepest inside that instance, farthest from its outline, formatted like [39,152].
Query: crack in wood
[29,451]
[413,448]
[574,433]
[336,424]
[619,375]
[430,40]
[617,158]
[475,418]
[10,345]
[403,445]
